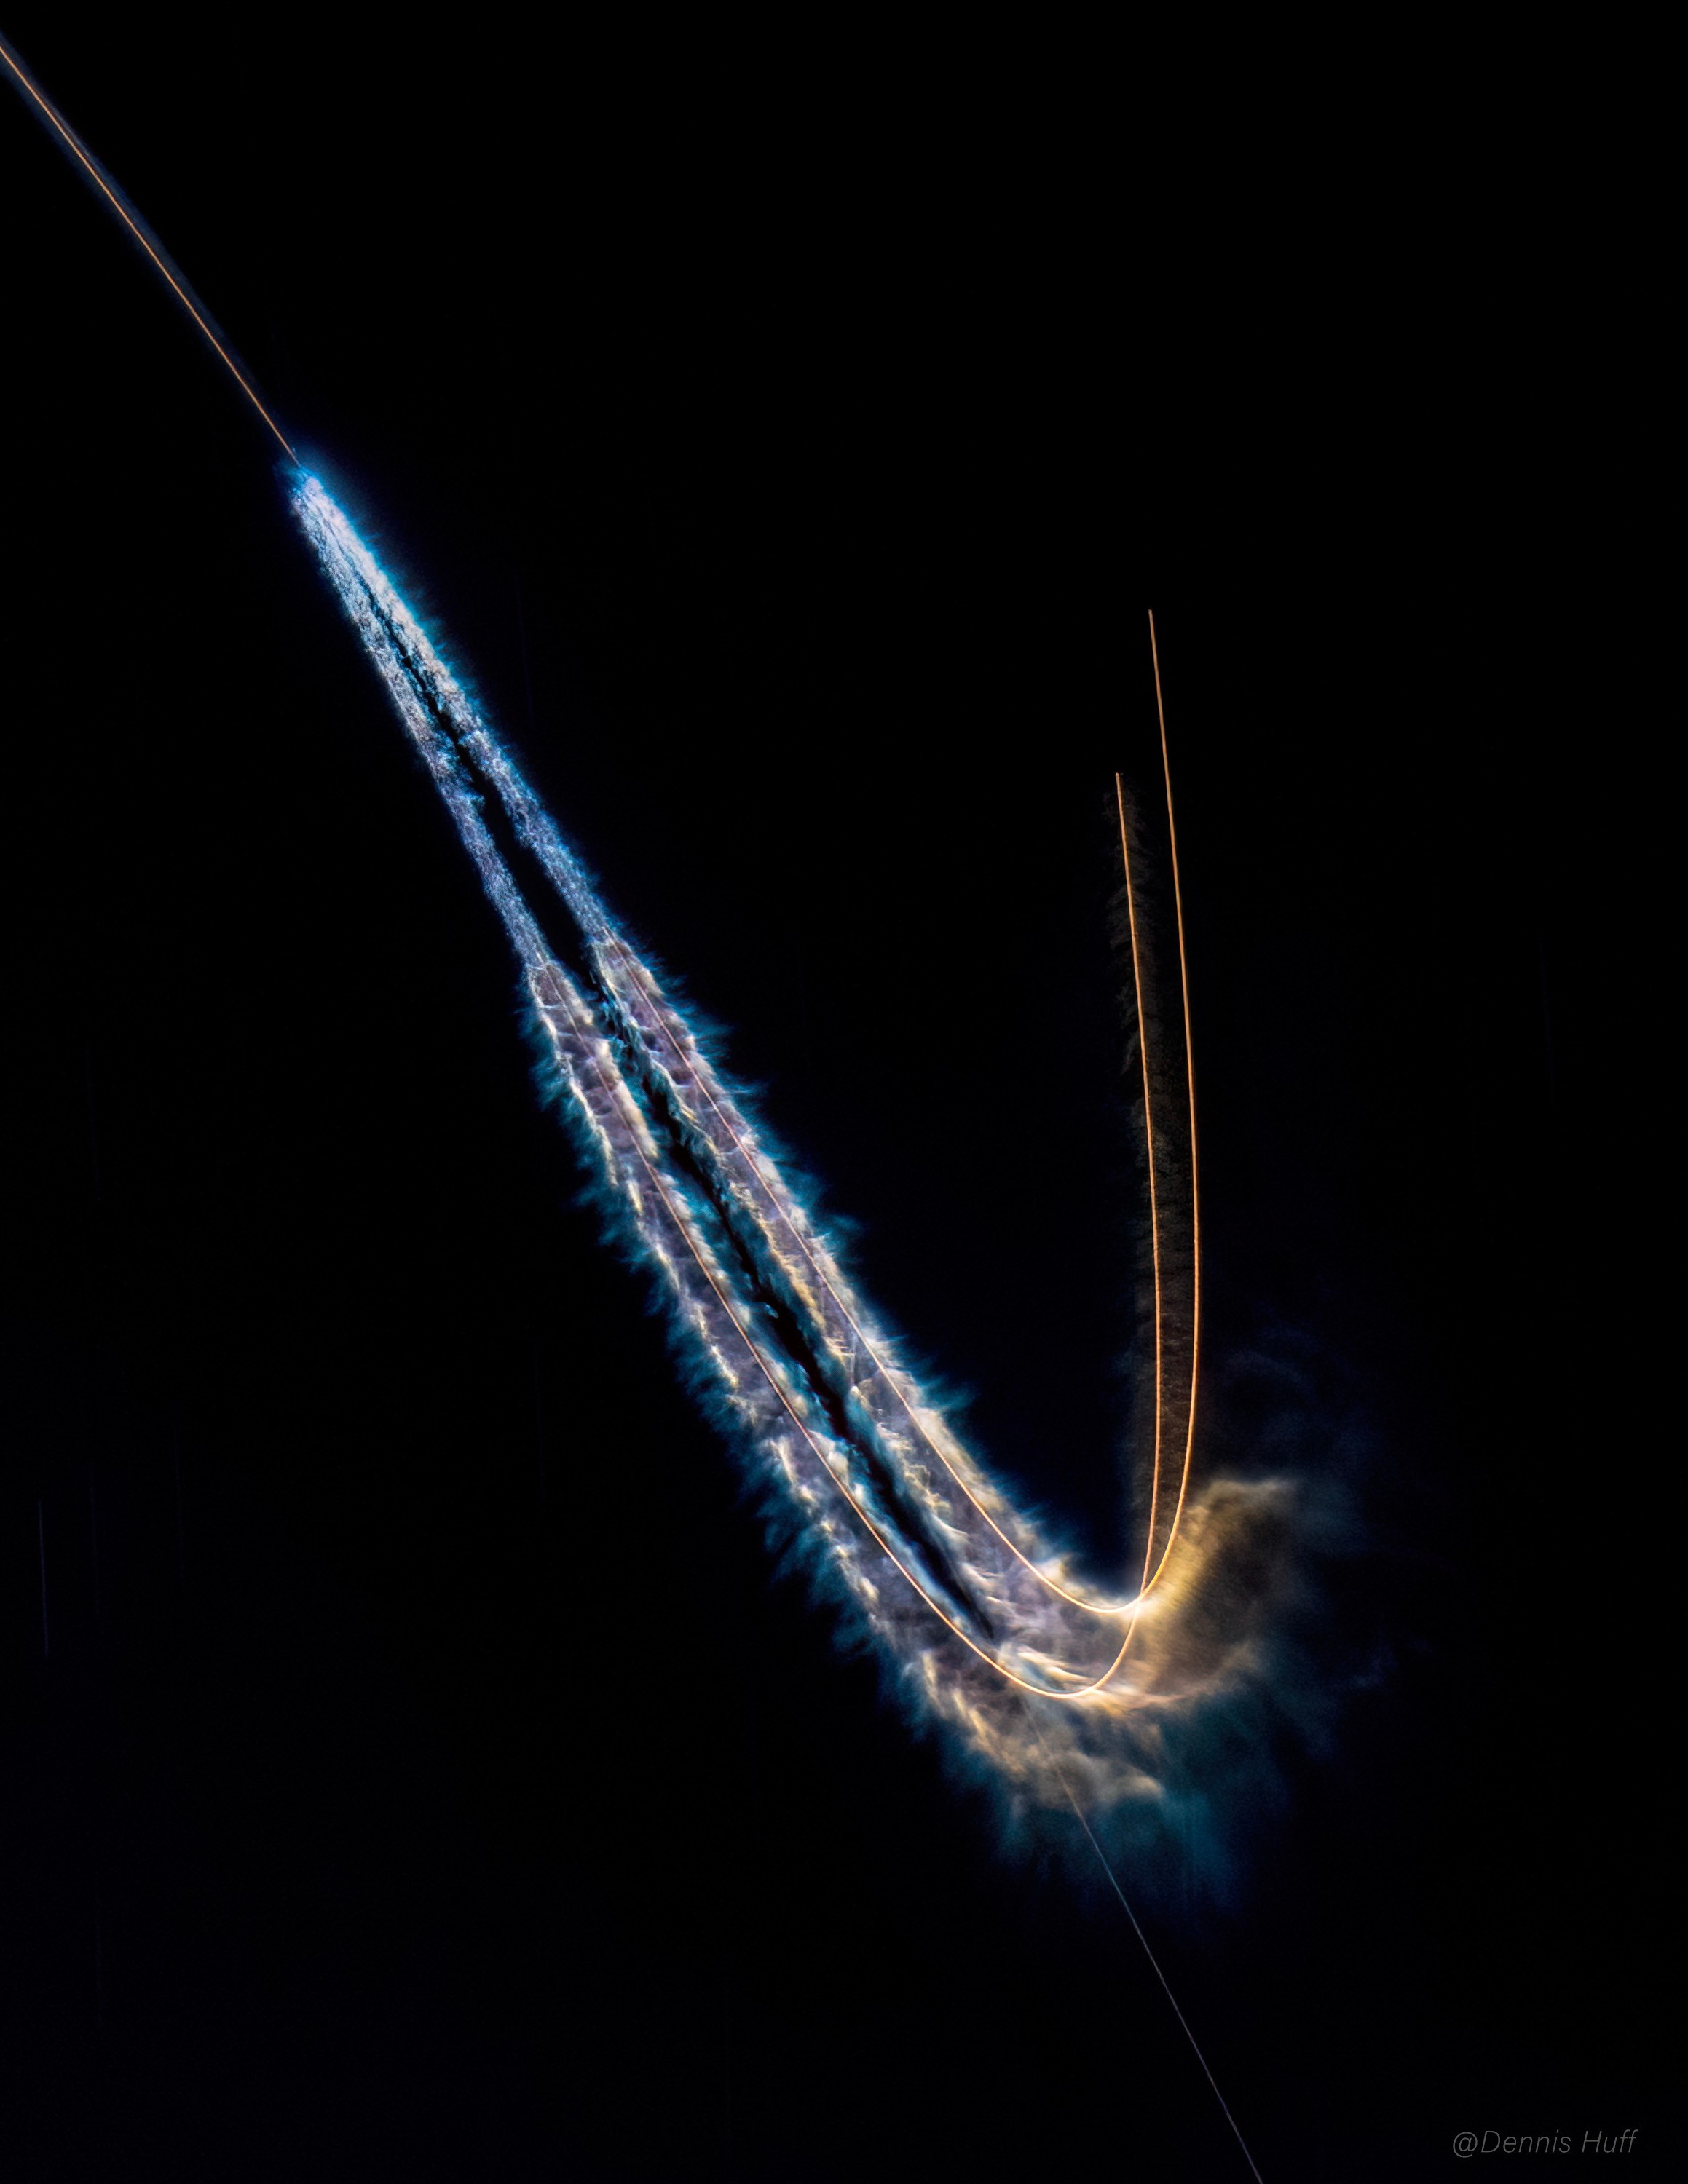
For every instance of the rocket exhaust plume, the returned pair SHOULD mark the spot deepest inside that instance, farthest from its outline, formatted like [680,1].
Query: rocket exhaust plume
[1065,1697]
[1058,1695]
[1061,1691]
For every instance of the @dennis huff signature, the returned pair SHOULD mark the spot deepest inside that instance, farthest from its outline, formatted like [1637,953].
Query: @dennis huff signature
[1467,2142]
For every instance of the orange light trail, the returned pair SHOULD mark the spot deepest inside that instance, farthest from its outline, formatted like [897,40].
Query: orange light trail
[1190,1080]
[73,144]
[1073,1599]
[648,1127]
[1036,1691]
[753,1168]
[670,1096]
[1154,1188]
[1153,1569]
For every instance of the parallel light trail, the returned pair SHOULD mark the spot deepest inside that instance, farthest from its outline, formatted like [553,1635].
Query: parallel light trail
[971,1603]
[978,1614]
[967,1599]
[1190,1080]
[979,1618]
[1154,1182]
[1186,1228]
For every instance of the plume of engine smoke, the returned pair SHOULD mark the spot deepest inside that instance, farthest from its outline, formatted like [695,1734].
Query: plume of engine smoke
[1050,1691]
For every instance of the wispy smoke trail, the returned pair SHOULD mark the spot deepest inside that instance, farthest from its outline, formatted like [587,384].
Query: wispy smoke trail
[1060,1692]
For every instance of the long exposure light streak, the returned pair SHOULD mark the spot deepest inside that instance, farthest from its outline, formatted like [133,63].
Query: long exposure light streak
[972,1608]
[48,114]
[1159,1337]
[966,1597]
[1154,1134]
[689,1169]
[1190,1081]
[446,731]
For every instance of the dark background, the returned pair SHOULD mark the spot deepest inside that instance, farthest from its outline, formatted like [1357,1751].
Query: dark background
[415,1765]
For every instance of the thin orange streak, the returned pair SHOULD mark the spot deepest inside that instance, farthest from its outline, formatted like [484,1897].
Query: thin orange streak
[68,136]
[1153,1195]
[1020,1683]
[71,143]
[1190,1080]
[1089,1606]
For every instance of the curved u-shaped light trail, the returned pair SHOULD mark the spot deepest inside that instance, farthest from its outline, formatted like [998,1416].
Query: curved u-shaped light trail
[954,1584]
[809,1379]
[713,1212]
[973,1609]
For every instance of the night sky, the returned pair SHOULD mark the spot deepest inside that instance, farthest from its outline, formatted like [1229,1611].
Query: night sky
[418,1766]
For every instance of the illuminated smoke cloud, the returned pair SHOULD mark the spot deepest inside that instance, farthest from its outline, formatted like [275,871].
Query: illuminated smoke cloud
[1057,1693]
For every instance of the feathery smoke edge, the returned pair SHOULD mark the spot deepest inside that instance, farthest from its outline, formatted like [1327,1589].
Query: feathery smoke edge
[1062,1695]
[1155,1714]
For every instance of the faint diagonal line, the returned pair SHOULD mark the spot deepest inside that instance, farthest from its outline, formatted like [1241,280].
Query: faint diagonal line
[1155,1963]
